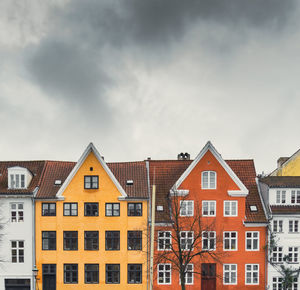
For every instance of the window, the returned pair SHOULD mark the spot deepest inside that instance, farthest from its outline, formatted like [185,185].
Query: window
[295,284]
[293,226]
[208,241]
[134,209]
[252,241]
[134,240]
[91,209]
[91,273]
[293,255]
[134,273]
[186,208]
[112,240]
[252,274]
[209,180]
[295,196]
[112,209]
[17,212]
[209,208]
[70,209]
[277,226]
[230,241]
[189,274]
[164,274]
[229,274]
[48,209]
[91,182]
[280,196]
[71,241]
[186,240]
[164,241]
[91,240]
[49,240]
[277,283]
[17,181]
[230,208]
[17,251]
[112,274]
[277,255]
[71,273]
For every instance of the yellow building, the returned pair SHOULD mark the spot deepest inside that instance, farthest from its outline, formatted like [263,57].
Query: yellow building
[91,224]
[288,166]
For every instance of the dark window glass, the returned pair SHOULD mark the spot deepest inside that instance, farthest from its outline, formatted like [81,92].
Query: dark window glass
[49,240]
[71,241]
[91,273]
[134,273]
[91,209]
[48,209]
[112,240]
[135,209]
[134,240]
[112,209]
[91,182]
[112,274]
[49,269]
[70,273]
[91,240]
[70,209]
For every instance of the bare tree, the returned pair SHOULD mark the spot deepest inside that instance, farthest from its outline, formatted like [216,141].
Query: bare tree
[191,239]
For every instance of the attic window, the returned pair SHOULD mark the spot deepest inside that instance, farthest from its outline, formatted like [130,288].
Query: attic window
[129,182]
[18,177]
[253,208]
[57,182]
[159,208]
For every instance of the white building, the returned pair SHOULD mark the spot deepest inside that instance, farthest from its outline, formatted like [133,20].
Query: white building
[281,195]
[18,183]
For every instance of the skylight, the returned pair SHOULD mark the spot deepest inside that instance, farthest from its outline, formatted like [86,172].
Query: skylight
[129,182]
[159,208]
[253,208]
[57,182]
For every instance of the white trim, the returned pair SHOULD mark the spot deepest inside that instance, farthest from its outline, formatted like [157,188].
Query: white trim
[90,148]
[208,179]
[165,264]
[215,208]
[179,192]
[258,238]
[252,273]
[236,274]
[164,238]
[254,225]
[230,239]
[181,207]
[163,224]
[243,190]
[237,209]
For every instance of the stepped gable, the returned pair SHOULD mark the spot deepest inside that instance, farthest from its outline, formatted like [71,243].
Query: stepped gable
[35,167]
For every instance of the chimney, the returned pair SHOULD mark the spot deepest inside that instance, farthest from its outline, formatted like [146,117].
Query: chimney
[281,160]
[183,156]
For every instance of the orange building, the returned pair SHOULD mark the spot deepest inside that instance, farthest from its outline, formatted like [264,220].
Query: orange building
[223,197]
[91,224]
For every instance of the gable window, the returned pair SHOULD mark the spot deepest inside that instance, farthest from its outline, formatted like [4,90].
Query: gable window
[186,240]
[229,274]
[70,240]
[293,226]
[277,226]
[252,241]
[91,182]
[134,240]
[49,240]
[164,241]
[252,274]
[48,209]
[164,274]
[112,209]
[209,180]
[230,241]
[134,209]
[70,273]
[112,274]
[91,209]
[112,240]
[17,212]
[277,255]
[209,208]
[70,209]
[17,251]
[230,207]
[208,241]
[280,196]
[134,273]
[293,255]
[91,273]
[186,208]
[295,196]
[91,240]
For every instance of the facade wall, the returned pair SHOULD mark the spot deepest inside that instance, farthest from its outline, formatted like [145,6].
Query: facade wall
[292,168]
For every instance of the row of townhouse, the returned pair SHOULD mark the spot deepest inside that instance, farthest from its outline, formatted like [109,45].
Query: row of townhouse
[86,224]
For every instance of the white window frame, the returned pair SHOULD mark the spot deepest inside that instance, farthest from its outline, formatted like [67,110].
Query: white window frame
[186,208]
[251,271]
[295,194]
[211,235]
[17,248]
[189,274]
[278,225]
[230,271]
[276,281]
[252,239]
[210,204]
[230,240]
[278,253]
[230,202]
[293,255]
[211,184]
[281,197]
[164,271]
[164,238]
[184,236]
[17,210]
[294,224]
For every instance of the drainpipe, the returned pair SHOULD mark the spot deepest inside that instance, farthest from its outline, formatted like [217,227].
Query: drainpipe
[152,236]
[148,219]
[33,241]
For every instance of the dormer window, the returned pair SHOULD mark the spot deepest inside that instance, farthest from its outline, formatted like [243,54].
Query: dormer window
[209,180]
[18,177]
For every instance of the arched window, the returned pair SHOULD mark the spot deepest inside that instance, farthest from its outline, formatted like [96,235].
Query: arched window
[209,180]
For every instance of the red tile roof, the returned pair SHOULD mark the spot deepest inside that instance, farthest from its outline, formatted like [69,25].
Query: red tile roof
[285,209]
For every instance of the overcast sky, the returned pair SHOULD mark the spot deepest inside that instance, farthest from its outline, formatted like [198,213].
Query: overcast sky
[149,78]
